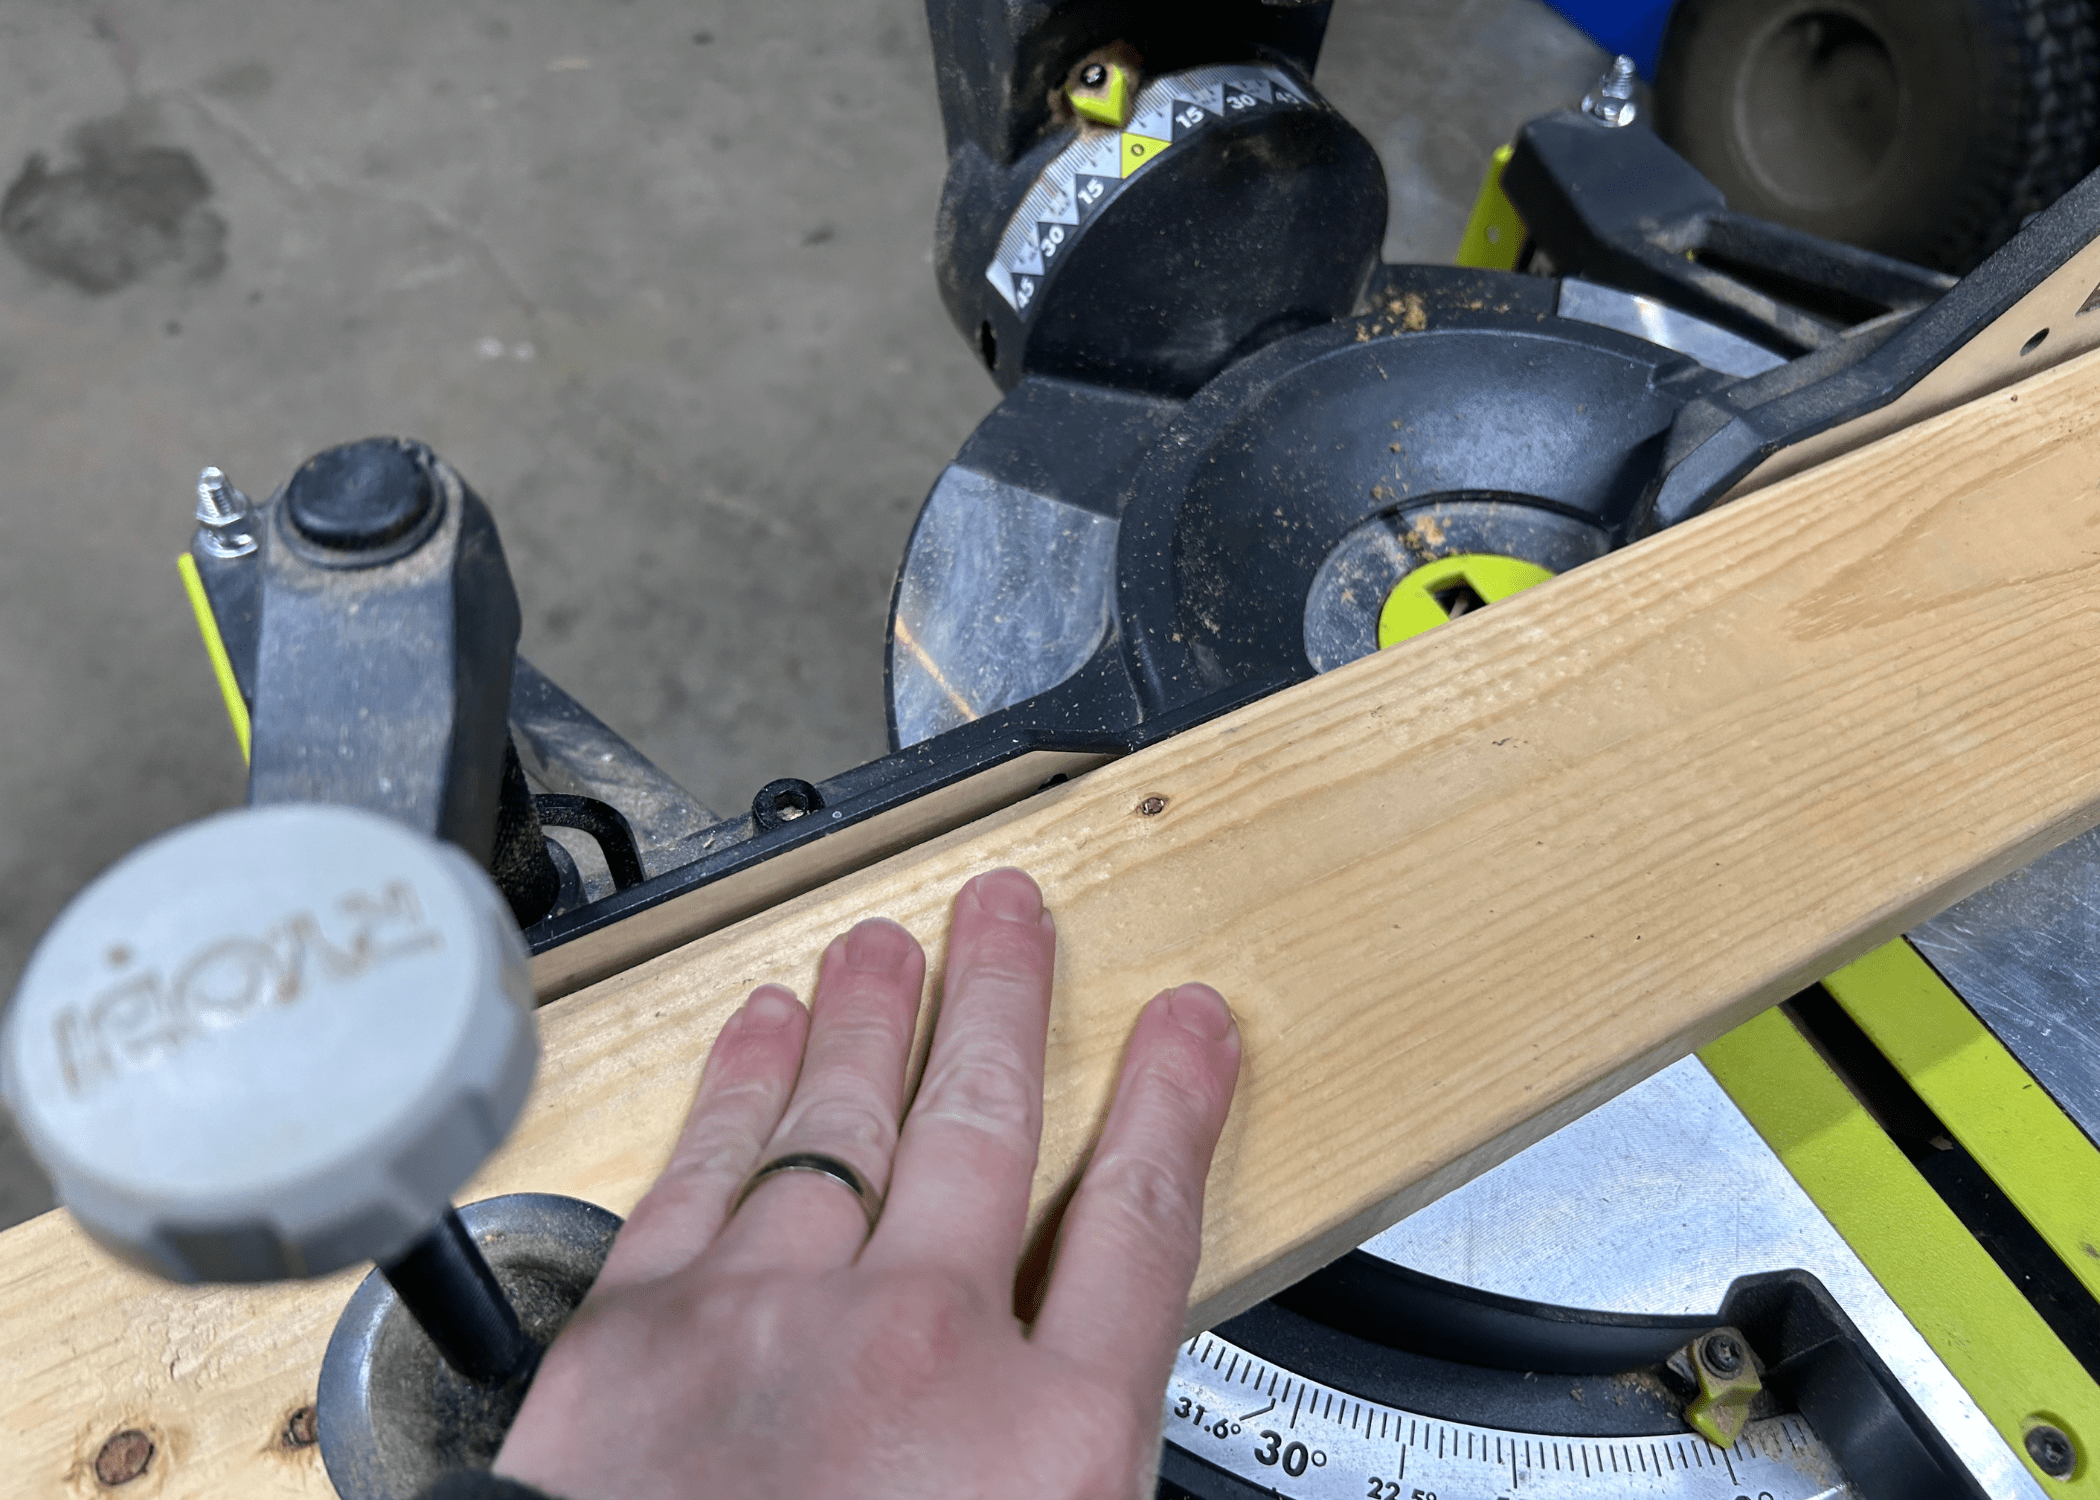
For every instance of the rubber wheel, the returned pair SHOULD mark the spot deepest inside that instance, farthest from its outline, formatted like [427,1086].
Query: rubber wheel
[1925,129]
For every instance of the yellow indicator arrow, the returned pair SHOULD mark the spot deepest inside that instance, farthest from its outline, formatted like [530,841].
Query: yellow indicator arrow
[1139,149]
[1108,103]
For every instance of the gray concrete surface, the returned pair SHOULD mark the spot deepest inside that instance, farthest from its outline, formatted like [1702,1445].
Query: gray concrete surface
[654,276]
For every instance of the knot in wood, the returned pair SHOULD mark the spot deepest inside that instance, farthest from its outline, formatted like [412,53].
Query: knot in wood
[300,1430]
[123,1458]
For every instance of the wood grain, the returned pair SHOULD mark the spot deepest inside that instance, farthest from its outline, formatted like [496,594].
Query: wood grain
[1456,893]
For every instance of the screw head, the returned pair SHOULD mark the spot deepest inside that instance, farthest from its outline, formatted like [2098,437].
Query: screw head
[1152,807]
[1722,1353]
[1093,75]
[781,802]
[2051,1449]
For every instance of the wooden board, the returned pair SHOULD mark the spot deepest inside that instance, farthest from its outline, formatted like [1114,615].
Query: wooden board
[1457,893]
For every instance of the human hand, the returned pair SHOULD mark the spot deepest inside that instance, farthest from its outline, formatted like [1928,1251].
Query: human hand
[778,1348]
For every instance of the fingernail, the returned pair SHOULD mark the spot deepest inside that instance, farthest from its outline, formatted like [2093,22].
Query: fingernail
[1201,1009]
[770,1009]
[1010,896]
[878,946]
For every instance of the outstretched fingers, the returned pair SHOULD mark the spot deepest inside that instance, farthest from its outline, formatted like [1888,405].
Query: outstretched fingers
[1128,1250]
[743,1088]
[959,1195]
[845,1106]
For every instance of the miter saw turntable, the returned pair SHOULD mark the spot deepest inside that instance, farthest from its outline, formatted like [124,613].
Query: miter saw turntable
[1848,1250]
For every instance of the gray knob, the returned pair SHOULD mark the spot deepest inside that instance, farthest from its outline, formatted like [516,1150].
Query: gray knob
[270,1044]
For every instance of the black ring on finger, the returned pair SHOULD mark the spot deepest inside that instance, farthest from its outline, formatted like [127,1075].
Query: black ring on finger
[824,1166]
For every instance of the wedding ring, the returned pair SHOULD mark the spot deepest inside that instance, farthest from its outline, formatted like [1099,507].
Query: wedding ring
[824,1166]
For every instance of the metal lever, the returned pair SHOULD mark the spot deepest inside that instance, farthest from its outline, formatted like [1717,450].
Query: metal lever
[446,1284]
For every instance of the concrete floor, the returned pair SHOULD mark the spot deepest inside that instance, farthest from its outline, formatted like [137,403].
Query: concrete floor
[654,276]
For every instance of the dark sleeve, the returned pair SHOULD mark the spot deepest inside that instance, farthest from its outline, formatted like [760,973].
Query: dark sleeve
[478,1485]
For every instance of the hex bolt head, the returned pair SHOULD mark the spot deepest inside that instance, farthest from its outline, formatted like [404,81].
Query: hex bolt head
[361,496]
[2052,1451]
[272,1043]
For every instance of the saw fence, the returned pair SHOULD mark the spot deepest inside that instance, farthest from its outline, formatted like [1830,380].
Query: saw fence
[1456,893]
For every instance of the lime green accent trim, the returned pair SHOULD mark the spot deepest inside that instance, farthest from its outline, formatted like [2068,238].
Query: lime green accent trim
[1494,234]
[1110,105]
[1988,1334]
[1411,607]
[215,648]
[1987,1101]
[1722,1407]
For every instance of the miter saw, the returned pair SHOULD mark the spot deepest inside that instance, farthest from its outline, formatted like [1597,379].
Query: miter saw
[1843,1252]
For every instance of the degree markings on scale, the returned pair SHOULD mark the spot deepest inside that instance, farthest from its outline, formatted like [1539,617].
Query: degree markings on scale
[1090,171]
[1336,1445]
